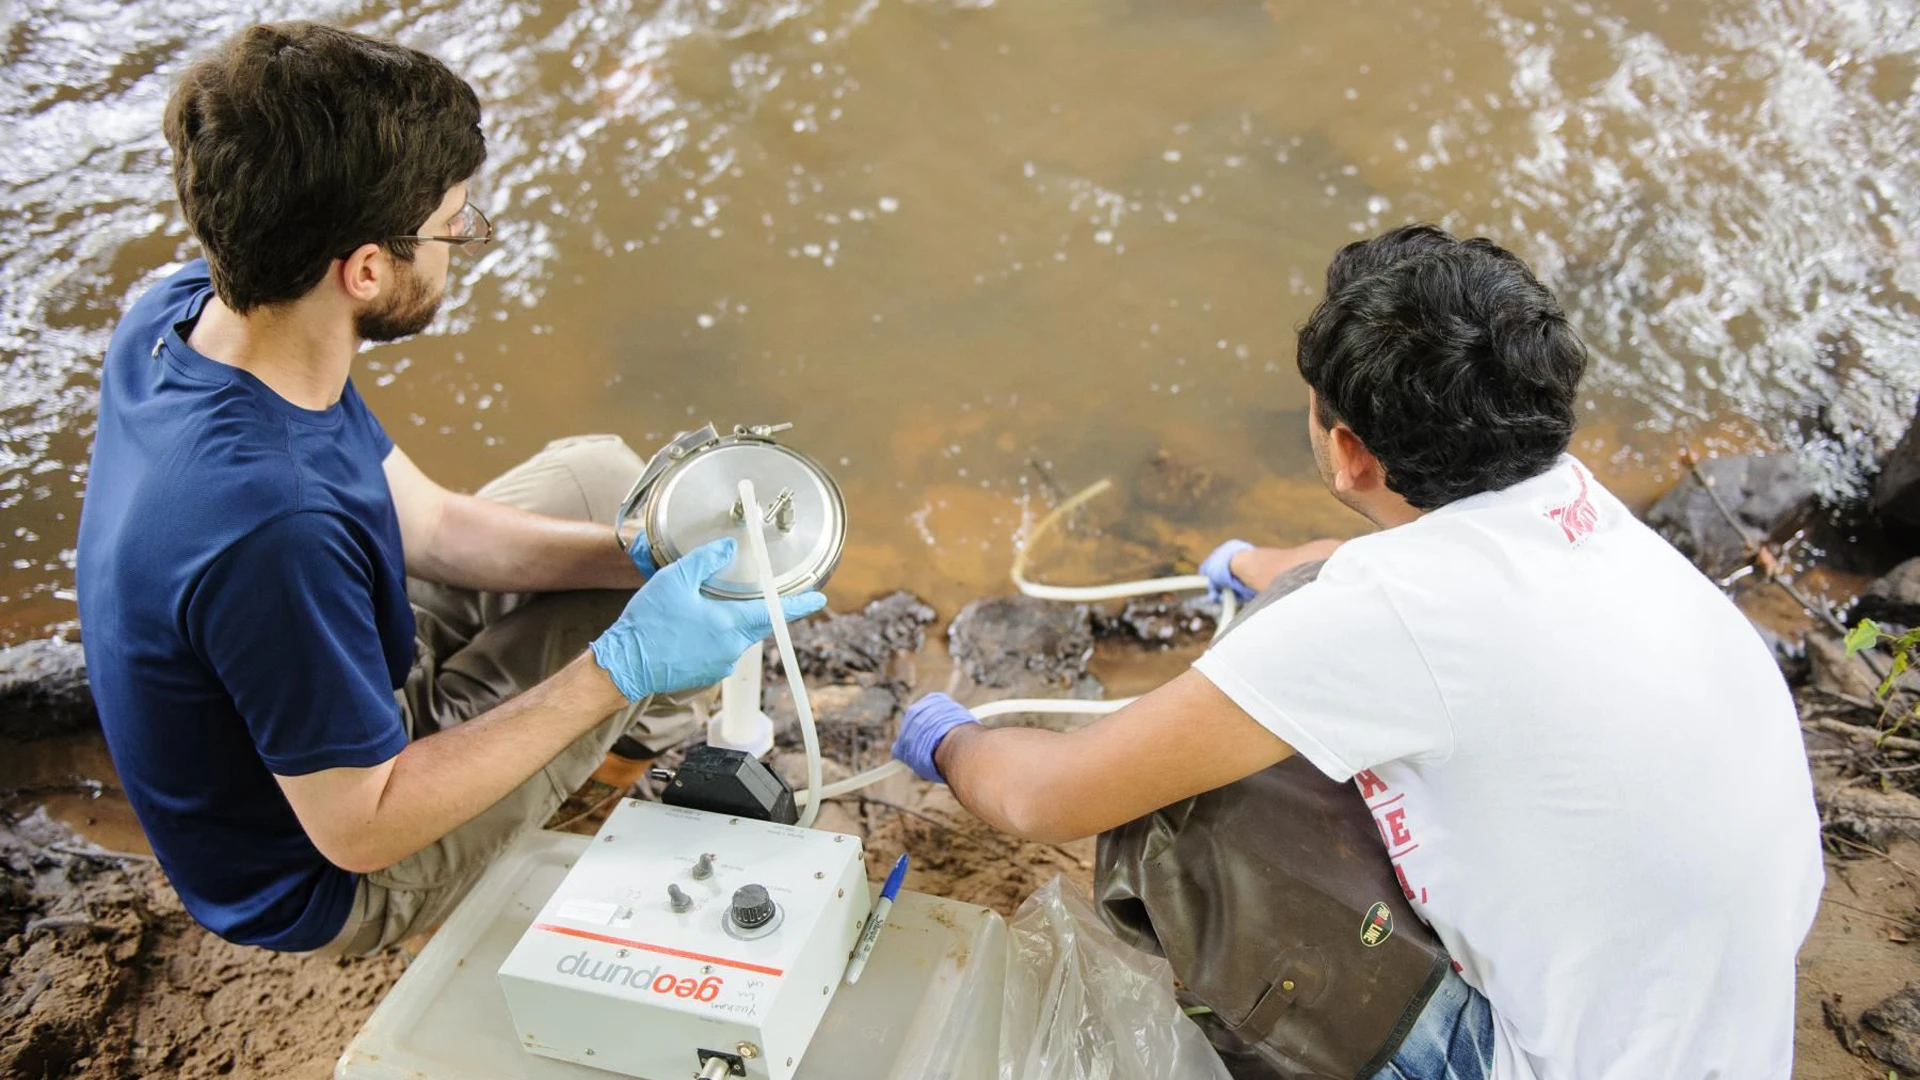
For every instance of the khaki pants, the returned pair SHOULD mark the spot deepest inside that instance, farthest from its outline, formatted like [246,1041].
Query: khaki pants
[475,650]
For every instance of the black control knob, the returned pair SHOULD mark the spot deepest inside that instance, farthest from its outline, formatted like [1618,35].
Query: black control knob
[752,907]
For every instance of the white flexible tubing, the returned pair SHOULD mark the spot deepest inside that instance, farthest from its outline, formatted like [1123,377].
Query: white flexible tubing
[852,783]
[783,640]
[1075,594]
[1086,594]
[1069,706]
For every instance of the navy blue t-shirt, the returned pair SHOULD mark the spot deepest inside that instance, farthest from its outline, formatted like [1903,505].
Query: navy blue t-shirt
[244,611]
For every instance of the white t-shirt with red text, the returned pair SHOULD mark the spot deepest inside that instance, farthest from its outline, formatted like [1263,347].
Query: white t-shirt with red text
[1584,764]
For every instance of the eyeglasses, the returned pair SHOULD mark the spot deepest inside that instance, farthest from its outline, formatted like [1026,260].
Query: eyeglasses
[473,232]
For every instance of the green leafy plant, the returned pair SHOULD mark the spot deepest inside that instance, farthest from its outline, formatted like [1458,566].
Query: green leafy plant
[1867,634]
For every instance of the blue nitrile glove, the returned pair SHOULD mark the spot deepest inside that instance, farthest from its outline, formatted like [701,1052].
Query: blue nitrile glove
[674,637]
[1218,570]
[641,553]
[928,721]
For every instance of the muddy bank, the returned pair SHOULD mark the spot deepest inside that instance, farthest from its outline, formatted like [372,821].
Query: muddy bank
[103,975]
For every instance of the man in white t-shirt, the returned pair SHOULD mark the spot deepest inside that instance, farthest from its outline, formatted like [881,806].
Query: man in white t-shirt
[1584,765]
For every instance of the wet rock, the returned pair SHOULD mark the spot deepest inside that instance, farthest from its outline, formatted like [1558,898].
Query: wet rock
[838,648]
[1789,653]
[1896,494]
[1170,485]
[1895,598]
[1891,1029]
[1159,623]
[1023,647]
[1016,646]
[1768,495]
[43,690]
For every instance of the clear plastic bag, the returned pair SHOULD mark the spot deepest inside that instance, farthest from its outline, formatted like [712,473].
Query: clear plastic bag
[1081,1004]
[1051,995]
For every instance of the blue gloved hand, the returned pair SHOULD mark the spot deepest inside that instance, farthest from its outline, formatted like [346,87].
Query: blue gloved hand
[1218,570]
[641,553]
[674,637]
[928,721]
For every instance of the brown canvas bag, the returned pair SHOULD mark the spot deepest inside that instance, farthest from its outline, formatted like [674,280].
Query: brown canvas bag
[1273,900]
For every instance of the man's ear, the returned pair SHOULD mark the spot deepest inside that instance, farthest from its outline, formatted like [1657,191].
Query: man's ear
[1355,469]
[363,273]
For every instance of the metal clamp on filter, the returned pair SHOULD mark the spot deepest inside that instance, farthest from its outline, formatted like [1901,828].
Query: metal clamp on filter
[688,495]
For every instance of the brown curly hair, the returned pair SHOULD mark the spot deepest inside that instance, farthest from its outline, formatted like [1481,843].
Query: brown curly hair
[295,143]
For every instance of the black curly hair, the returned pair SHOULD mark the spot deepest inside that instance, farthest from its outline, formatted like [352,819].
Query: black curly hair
[1447,358]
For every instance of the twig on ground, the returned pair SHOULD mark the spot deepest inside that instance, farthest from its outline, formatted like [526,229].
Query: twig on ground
[1054,490]
[62,922]
[866,811]
[34,990]
[1875,914]
[1860,731]
[100,854]
[1747,543]
[1757,554]
[910,812]
[969,833]
[589,811]
[76,785]
[1871,850]
[1821,611]
[1848,699]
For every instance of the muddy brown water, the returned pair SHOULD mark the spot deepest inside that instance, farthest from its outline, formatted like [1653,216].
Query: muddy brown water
[947,238]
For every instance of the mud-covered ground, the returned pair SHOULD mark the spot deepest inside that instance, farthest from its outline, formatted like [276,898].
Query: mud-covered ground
[102,974]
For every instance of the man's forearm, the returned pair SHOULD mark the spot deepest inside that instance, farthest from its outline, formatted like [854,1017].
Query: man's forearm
[999,774]
[477,544]
[1180,740]
[443,781]
[1258,567]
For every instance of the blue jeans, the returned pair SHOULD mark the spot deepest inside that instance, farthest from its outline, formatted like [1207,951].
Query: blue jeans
[1452,1039]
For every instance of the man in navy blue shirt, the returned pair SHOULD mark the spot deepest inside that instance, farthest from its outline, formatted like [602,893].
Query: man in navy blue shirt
[332,688]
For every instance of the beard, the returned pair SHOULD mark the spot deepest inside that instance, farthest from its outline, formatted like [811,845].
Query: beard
[404,313]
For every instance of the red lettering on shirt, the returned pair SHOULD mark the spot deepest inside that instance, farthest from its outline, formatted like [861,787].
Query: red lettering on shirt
[1577,519]
[1395,835]
[1396,828]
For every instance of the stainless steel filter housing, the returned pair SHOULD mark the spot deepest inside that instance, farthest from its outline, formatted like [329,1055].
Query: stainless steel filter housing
[689,494]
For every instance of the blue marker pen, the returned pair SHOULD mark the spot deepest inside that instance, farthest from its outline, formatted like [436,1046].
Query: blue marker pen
[878,919]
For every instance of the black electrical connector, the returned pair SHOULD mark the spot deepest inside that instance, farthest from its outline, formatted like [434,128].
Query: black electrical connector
[733,783]
[736,1065]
